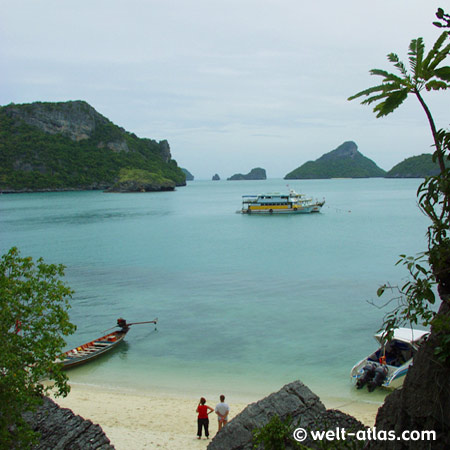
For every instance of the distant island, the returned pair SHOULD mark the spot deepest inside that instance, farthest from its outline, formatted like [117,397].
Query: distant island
[416,167]
[343,162]
[254,174]
[216,177]
[189,176]
[70,146]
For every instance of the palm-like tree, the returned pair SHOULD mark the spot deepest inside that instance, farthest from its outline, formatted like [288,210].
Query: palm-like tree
[424,74]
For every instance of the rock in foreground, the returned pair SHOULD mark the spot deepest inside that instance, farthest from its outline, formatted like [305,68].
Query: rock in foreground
[61,429]
[295,400]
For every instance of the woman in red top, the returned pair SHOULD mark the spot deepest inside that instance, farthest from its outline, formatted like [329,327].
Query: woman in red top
[202,420]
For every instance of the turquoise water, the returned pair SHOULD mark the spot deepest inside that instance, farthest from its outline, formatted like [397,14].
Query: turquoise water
[245,303]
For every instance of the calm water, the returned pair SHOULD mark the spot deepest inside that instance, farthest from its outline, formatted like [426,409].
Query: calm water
[245,303]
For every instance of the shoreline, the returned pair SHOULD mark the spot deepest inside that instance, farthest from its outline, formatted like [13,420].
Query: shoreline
[155,419]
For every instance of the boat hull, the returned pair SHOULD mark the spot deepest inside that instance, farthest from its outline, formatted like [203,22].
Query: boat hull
[282,210]
[392,359]
[276,203]
[92,350]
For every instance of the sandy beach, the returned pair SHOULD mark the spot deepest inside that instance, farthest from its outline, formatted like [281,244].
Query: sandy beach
[156,420]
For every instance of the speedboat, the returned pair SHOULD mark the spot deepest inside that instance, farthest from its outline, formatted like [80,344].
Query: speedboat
[389,364]
[277,203]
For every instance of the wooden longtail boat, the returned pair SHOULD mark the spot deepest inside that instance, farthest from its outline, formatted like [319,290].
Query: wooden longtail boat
[97,347]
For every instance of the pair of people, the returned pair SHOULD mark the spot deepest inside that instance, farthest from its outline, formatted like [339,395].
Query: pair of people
[222,410]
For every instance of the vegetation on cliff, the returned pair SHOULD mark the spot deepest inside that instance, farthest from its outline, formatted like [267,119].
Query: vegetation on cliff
[69,145]
[138,180]
[343,162]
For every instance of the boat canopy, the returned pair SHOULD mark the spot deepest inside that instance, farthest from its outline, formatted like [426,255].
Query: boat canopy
[411,336]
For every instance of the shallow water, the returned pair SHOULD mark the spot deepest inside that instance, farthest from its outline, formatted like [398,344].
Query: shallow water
[245,303]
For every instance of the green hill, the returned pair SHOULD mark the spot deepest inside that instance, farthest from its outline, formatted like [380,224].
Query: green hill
[255,174]
[70,146]
[415,167]
[343,162]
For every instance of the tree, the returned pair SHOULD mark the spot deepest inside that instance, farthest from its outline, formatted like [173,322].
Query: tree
[424,401]
[425,73]
[33,320]
[434,194]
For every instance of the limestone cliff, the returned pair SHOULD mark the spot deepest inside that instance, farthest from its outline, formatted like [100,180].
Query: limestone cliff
[69,145]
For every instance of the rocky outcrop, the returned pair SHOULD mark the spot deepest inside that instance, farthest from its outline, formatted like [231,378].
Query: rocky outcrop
[254,174]
[76,119]
[61,429]
[189,176]
[216,177]
[423,404]
[295,400]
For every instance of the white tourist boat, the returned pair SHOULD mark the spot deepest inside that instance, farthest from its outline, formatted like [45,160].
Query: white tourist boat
[389,364]
[277,203]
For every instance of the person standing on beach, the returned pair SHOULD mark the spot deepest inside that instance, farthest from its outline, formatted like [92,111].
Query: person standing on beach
[202,419]
[222,410]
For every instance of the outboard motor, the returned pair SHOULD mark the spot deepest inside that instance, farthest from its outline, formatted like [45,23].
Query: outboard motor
[367,375]
[122,323]
[378,378]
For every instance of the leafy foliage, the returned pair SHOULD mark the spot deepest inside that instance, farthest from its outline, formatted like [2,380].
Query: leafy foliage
[33,321]
[417,295]
[444,19]
[424,74]
[141,180]
[414,297]
[276,435]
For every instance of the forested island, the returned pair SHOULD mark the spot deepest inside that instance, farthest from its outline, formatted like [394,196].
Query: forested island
[70,146]
[416,167]
[343,162]
[255,174]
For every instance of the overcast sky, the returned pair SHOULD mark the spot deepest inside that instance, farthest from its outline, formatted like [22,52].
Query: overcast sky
[231,84]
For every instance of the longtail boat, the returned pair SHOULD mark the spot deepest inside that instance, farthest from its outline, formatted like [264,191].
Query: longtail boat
[97,347]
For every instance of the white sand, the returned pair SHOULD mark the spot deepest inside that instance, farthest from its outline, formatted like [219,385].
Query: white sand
[153,420]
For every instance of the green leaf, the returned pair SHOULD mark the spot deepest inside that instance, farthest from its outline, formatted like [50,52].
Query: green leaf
[436,85]
[391,103]
[443,73]
[380,290]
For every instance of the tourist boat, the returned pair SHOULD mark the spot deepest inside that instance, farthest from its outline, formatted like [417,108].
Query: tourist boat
[277,203]
[389,364]
[97,347]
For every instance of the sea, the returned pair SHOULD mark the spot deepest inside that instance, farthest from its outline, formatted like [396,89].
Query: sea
[245,303]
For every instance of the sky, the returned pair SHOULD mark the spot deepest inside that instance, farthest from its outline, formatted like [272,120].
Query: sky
[231,84]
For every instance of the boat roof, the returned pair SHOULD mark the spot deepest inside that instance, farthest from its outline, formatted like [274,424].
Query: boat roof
[409,335]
